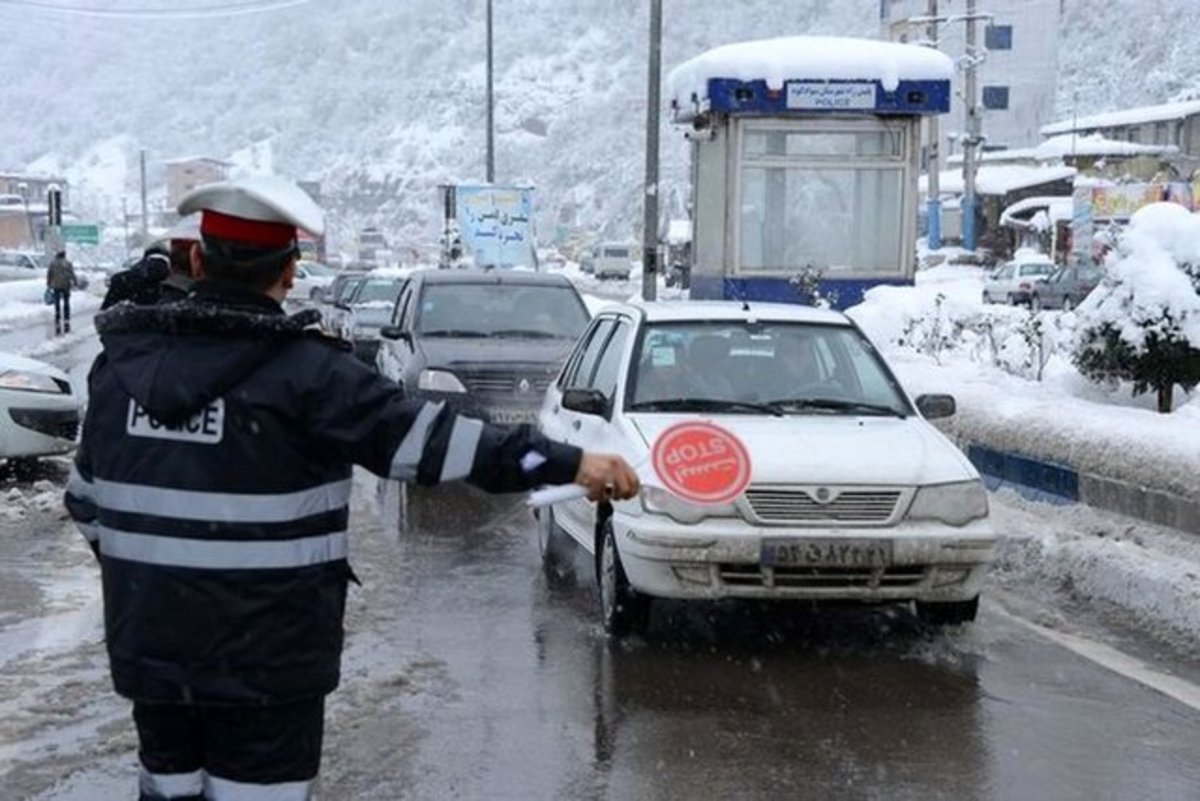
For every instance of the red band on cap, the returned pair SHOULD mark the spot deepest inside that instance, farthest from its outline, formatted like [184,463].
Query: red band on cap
[250,232]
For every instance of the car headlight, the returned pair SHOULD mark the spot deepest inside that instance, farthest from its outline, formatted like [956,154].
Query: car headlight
[29,382]
[439,381]
[661,502]
[955,504]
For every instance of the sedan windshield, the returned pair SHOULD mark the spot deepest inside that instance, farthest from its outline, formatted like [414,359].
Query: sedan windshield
[377,291]
[739,367]
[518,311]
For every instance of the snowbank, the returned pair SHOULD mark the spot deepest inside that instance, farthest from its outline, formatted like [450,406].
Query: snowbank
[807,57]
[22,303]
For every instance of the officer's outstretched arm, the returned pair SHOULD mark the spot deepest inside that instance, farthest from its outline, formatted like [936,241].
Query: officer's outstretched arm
[364,418]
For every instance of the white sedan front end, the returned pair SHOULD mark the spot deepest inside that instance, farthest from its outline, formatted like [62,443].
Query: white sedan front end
[39,411]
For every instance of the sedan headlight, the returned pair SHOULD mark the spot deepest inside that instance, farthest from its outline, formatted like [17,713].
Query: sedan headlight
[439,381]
[661,502]
[29,382]
[955,504]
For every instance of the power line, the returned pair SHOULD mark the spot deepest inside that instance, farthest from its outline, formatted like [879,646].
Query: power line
[202,12]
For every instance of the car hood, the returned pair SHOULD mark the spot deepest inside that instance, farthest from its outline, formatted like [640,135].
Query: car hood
[815,449]
[11,361]
[439,352]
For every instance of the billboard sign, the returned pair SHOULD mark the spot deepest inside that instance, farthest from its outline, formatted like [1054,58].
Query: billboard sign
[495,224]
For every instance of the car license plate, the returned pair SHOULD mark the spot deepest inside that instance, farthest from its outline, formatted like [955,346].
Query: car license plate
[826,553]
[513,416]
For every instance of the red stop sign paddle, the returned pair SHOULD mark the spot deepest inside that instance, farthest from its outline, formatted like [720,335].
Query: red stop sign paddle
[701,463]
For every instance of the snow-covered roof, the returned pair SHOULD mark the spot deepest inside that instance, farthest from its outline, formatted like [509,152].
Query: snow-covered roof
[1055,208]
[205,159]
[1000,179]
[1069,144]
[1129,116]
[808,57]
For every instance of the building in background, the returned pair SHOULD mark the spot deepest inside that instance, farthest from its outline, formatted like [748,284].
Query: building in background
[24,214]
[1018,79]
[1169,125]
[185,174]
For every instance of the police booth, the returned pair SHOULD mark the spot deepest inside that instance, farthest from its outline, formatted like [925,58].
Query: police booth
[805,158]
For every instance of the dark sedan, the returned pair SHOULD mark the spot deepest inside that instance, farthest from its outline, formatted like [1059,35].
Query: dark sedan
[1066,288]
[488,342]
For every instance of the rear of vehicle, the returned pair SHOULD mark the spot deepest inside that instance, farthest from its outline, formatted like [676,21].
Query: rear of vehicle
[613,261]
[491,345]
[39,410]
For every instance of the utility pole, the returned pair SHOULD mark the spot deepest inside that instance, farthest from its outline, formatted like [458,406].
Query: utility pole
[934,199]
[491,127]
[653,100]
[972,138]
[145,210]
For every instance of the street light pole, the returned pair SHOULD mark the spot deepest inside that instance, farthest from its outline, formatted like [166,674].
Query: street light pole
[934,199]
[145,211]
[972,139]
[491,127]
[654,99]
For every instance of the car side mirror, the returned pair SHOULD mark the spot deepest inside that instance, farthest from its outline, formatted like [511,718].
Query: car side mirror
[585,401]
[395,332]
[936,407]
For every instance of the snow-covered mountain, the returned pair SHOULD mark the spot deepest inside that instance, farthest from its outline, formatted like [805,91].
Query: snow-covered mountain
[382,100]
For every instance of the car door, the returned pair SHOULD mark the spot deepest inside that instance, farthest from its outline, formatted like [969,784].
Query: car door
[1000,284]
[396,355]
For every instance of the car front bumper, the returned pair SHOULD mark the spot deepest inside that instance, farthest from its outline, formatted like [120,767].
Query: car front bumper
[723,558]
[48,428]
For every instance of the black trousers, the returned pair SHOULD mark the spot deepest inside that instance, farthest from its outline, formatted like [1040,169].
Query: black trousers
[62,305]
[247,745]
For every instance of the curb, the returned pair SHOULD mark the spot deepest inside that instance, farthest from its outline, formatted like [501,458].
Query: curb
[1062,484]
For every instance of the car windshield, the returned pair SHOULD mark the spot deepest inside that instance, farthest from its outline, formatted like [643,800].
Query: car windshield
[1037,269]
[316,268]
[789,367]
[379,291]
[522,311]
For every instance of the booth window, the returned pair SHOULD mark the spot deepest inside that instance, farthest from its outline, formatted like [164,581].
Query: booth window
[830,198]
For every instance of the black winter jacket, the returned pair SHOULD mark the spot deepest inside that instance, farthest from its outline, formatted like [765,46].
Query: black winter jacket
[213,479]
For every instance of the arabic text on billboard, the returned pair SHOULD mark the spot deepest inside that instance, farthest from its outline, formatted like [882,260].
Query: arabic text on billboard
[496,225]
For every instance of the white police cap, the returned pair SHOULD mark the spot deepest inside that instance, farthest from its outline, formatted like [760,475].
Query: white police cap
[254,209]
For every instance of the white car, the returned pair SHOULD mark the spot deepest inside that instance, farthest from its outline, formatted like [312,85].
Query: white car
[39,410]
[16,265]
[852,493]
[312,280]
[613,260]
[1015,281]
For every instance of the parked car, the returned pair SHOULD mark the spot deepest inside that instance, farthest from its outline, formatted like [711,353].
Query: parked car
[1013,283]
[487,342]
[312,280]
[16,265]
[342,286]
[853,494]
[370,308]
[613,260]
[1066,288]
[39,410]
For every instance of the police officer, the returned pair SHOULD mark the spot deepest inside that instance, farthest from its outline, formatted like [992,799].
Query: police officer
[164,273]
[213,481]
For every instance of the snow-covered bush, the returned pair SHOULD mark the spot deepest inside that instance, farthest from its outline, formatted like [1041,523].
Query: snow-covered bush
[1142,324]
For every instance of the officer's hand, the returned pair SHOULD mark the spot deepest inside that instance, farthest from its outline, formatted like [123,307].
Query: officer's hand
[607,476]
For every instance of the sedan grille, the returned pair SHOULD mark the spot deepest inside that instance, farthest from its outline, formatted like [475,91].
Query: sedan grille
[507,382]
[801,506]
[61,424]
[823,577]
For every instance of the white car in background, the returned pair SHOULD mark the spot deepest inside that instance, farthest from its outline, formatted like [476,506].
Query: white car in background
[1015,281]
[312,280]
[853,494]
[39,409]
[17,265]
[613,260]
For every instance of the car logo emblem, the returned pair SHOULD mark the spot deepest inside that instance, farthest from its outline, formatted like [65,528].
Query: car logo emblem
[523,387]
[822,495]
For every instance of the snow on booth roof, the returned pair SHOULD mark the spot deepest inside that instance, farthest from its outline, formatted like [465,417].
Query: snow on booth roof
[806,58]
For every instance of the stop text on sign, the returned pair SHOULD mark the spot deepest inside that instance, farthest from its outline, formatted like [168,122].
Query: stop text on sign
[702,463]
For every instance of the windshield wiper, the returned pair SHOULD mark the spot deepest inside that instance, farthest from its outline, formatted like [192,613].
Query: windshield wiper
[836,405]
[704,405]
[524,333]
[454,333]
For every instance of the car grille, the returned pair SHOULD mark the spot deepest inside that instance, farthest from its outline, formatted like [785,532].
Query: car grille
[507,382]
[801,506]
[61,424]
[822,577]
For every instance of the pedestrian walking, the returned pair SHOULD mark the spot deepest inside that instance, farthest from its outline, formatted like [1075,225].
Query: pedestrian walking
[213,480]
[60,280]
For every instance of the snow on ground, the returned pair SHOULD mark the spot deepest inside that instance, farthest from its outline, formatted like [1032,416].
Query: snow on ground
[22,303]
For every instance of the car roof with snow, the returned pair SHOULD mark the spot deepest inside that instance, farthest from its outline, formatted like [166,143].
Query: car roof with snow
[695,310]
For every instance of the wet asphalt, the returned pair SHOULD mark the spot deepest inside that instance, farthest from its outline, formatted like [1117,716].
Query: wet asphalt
[471,675]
